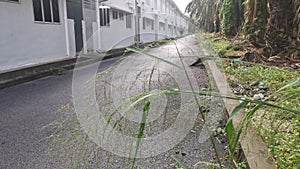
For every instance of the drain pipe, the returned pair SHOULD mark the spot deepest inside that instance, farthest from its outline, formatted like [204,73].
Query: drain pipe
[137,15]
[98,24]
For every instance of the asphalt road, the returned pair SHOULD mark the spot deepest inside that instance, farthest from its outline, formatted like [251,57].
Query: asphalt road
[26,108]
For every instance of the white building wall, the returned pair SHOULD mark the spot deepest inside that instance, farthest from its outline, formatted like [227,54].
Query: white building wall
[24,42]
[159,11]
[116,35]
[125,5]
[164,11]
[148,29]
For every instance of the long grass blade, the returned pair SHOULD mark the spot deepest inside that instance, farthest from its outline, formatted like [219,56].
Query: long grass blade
[141,131]
[236,139]
[237,109]
[230,135]
[230,128]
[292,83]
[233,141]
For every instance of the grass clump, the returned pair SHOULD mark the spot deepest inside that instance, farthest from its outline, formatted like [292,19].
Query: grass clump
[279,129]
[221,46]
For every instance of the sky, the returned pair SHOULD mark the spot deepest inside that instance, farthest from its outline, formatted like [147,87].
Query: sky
[182,4]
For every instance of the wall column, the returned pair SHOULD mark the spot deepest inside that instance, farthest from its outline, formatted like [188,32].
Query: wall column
[66,27]
[98,24]
[84,37]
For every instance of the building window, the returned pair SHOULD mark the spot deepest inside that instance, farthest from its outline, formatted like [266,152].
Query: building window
[170,28]
[161,26]
[128,21]
[46,11]
[148,23]
[115,14]
[104,17]
[121,16]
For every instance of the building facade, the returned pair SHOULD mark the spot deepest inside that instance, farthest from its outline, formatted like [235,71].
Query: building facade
[143,21]
[30,34]
[39,31]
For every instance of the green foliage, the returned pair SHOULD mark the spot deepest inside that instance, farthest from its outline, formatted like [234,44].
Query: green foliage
[141,131]
[256,18]
[61,71]
[228,20]
[233,138]
[279,129]
[296,32]
[221,45]
[205,13]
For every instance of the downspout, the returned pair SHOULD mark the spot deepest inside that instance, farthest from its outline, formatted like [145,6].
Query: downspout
[66,27]
[137,15]
[98,24]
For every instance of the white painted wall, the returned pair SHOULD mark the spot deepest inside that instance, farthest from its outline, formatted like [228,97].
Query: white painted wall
[116,35]
[24,42]
[125,5]
[71,36]
[148,34]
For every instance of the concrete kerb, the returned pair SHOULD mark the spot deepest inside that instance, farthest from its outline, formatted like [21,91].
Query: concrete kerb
[25,74]
[254,149]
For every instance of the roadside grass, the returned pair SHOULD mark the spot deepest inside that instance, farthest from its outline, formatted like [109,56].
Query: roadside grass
[279,129]
[221,46]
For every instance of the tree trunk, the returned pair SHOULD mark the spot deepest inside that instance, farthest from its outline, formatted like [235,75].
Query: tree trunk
[217,22]
[256,21]
[228,18]
[281,24]
[239,13]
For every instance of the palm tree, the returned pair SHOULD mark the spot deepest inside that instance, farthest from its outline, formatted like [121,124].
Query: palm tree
[209,13]
[296,15]
[232,16]
[205,13]
[256,21]
[273,24]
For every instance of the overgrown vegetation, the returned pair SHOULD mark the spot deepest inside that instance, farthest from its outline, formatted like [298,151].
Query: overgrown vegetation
[279,129]
[256,20]
[85,154]
[228,18]
[272,26]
